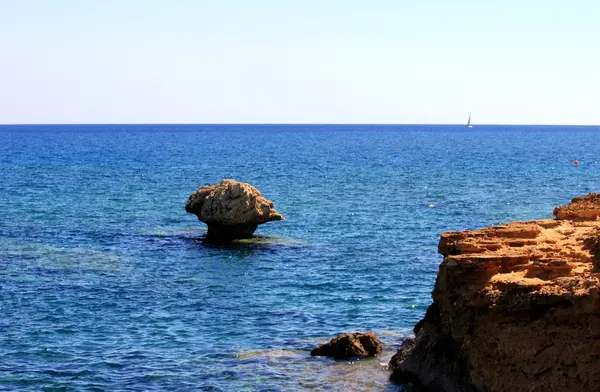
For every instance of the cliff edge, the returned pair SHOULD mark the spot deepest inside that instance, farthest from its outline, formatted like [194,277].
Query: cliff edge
[515,308]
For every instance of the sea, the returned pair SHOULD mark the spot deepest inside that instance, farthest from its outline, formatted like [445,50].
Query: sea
[106,285]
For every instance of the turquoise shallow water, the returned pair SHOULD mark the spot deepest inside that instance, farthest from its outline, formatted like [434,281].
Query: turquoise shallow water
[104,286]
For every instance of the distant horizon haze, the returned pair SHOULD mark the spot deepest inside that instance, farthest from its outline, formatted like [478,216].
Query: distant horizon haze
[279,62]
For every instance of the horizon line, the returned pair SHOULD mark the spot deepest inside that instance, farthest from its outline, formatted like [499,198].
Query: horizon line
[316,123]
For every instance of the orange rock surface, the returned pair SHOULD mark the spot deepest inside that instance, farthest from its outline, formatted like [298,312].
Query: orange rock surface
[516,308]
[231,209]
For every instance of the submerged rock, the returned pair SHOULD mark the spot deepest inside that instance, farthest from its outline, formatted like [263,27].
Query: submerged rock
[350,345]
[231,210]
[515,307]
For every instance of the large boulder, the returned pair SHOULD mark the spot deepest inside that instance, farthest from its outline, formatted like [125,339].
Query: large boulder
[350,345]
[231,210]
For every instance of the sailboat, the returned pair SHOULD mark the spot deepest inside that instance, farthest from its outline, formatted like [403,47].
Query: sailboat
[468,125]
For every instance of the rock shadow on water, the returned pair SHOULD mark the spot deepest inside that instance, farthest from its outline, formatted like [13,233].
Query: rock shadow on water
[199,236]
[247,246]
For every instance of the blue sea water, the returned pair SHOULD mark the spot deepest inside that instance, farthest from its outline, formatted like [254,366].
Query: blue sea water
[104,285]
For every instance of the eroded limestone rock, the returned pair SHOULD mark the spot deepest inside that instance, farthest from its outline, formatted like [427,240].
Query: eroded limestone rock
[231,210]
[515,307]
[580,208]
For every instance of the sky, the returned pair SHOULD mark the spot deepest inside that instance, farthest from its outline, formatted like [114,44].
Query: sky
[302,61]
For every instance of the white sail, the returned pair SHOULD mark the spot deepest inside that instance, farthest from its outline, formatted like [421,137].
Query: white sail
[469,122]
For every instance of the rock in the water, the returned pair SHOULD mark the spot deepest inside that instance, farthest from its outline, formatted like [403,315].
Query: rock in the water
[515,308]
[231,210]
[350,345]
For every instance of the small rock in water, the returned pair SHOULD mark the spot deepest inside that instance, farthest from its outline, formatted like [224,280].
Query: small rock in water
[350,345]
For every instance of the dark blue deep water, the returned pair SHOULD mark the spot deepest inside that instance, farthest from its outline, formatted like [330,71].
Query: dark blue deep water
[105,287]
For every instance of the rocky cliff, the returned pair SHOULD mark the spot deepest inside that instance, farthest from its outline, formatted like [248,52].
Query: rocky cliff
[515,308]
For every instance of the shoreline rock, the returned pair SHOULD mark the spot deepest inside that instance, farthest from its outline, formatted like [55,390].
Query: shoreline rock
[350,345]
[516,307]
[231,210]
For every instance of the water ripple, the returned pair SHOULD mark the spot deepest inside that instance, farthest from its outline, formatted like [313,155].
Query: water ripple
[106,285]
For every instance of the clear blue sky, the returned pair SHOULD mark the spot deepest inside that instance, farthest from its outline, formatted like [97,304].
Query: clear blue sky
[303,61]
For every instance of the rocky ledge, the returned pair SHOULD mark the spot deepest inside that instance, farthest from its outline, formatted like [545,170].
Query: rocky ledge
[231,210]
[515,307]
